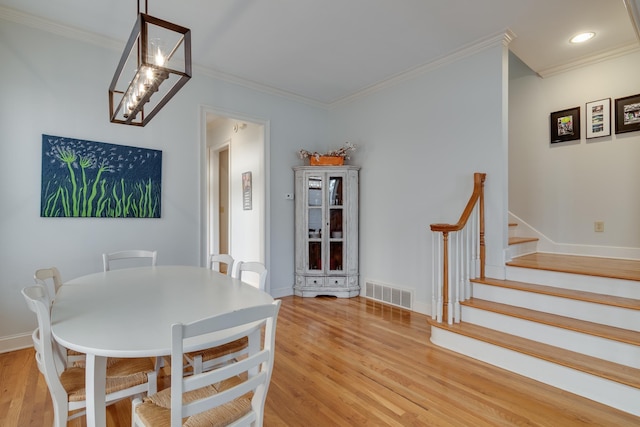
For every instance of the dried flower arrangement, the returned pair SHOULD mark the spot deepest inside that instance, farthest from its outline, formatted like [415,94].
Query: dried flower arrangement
[340,152]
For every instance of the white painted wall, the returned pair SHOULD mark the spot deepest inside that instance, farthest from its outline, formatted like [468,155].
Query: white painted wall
[420,141]
[561,189]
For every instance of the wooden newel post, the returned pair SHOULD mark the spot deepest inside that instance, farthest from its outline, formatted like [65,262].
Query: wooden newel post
[479,178]
[445,276]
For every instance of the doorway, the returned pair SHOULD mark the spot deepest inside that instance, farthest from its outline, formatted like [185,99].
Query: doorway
[234,215]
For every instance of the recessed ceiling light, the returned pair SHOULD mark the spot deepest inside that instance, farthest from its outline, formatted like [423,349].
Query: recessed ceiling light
[582,37]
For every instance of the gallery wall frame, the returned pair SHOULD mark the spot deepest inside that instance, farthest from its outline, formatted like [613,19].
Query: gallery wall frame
[598,118]
[565,125]
[627,114]
[92,179]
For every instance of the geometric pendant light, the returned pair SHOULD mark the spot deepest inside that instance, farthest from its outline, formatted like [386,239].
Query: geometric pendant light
[155,64]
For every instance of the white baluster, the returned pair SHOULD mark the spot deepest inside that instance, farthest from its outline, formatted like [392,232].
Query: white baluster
[468,233]
[459,275]
[450,268]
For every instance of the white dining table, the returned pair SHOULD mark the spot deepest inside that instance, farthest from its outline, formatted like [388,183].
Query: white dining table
[129,313]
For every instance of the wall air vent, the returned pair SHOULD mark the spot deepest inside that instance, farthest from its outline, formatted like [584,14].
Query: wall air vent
[389,294]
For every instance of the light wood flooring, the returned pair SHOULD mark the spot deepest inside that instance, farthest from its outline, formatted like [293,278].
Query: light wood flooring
[354,362]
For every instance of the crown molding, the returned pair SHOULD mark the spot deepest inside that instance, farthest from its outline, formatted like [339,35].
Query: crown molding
[261,87]
[589,60]
[502,38]
[39,23]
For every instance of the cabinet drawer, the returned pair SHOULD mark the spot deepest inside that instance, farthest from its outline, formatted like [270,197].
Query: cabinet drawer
[336,282]
[315,281]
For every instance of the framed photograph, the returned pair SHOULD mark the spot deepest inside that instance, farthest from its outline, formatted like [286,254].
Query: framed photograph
[565,125]
[246,191]
[598,118]
[628,114]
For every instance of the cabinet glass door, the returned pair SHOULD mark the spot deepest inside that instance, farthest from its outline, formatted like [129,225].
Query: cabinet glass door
[314,226]
[336,222]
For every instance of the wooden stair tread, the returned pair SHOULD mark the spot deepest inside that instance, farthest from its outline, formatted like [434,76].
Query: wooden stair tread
[596,329]
[592,365]
[592,297]
[625,269]
[516,240]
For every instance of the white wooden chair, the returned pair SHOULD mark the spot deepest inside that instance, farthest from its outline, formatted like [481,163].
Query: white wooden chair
[107,258]
[125,377]
[201,361]
[51,280]
[233,394]
[255,267]
[128,254]
[220,259]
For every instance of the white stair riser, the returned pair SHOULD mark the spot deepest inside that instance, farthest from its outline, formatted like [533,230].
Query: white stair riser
[611,350]
[600,285]
[591,312]
[520,249]
[601,390]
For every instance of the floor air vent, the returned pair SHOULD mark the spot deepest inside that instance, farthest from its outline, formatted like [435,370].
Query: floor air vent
[388,294]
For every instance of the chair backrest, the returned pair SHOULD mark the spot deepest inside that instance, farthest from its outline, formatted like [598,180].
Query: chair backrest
[220,259]
[250,374]
[113,256]
[50,279]
[49,356]
[255,267]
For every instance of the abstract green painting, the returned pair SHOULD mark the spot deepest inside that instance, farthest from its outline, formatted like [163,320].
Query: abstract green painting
[95,179]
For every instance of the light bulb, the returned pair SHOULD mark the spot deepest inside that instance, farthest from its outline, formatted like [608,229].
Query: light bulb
[159,58]
[156,51]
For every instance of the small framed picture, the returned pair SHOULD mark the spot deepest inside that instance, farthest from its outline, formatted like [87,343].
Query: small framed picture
[628,114]
[246,191]
[598,118]
[565,125]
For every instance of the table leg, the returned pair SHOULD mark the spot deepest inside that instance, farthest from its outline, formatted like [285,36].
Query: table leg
[96,378]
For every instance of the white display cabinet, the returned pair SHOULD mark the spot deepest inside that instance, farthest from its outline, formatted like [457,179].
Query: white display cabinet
[326,221]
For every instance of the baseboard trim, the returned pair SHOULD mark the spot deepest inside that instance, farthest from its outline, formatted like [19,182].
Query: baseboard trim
[281,292]
[15,342]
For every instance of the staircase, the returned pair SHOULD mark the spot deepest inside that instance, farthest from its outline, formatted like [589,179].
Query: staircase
[568,321]
[520,245]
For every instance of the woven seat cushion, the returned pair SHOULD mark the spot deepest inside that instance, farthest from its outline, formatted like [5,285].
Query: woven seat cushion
[83,363]
[156,409]
[221,350]
[121,374]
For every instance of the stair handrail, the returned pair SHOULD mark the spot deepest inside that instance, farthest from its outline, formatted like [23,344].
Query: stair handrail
[443,308]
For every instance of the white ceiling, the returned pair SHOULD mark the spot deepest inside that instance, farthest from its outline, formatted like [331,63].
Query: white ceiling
[328,50]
